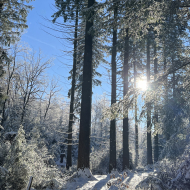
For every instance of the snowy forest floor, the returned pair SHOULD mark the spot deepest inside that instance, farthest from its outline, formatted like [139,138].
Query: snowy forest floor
[113,181]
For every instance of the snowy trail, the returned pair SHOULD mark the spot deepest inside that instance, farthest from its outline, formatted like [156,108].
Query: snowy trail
[99,182]
[134,179]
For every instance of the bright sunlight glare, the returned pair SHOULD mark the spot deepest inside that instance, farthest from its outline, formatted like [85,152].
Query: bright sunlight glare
[142,84]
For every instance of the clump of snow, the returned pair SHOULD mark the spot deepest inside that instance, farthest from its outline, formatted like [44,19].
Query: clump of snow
[150,182]
[114,174]
[182,178]
[149,167]
[52,184]
[61,164]
[82,179]
[85,173]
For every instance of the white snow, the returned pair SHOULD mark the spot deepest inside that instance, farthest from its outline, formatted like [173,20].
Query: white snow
[84,180]
[61,164]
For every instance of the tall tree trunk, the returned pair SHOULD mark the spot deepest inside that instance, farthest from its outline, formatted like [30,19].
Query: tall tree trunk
[166,88]
[136,122]
[85,118]
[173,80]
[112,163]
[71,115]
[125,91]
[166,80]
[156,146]
[149,141]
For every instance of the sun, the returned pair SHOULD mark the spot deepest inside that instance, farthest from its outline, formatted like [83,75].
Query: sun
[142,84]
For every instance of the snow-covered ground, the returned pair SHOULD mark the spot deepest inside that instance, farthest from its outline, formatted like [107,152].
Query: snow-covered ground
[125,180]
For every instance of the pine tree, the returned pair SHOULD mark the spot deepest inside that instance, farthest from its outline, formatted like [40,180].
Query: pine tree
[125,91]
[136,121]
[15,162]
[156,142]
[149,141]
[112,163]
[85,118]
[71,117]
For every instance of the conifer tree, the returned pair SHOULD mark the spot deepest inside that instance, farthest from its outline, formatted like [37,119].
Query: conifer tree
[71,117]
[149,141]
[85,117]
[156,145]
[136,121]
[125,91]
[112,163]
[66,10]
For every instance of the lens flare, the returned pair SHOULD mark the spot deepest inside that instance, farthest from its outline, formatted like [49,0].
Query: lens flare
[142,84]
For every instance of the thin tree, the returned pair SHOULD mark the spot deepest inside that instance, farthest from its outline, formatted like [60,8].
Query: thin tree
[149,141]
[165,83]
[112,162]
[125,91]
[10,74]
[86,103]
[156,145]
[136,121]
[71,115]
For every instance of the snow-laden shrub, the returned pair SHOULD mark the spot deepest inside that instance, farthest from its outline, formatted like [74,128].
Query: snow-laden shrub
[174,147]
[99,160]
[15,163]
[53,184]
[151,182]
[170,174]
[67,173]
[120,161]
[4,148]
[175,175]
[3,173]
[23,160]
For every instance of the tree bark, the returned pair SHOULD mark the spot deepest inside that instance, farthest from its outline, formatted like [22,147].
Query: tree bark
[136,121]
[156,140]
[85,118]
[166,88]
[125,91]
[71,115]
[173,80]
[112,162]
[149,141]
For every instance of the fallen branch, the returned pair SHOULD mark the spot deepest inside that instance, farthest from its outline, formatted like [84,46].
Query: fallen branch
[30,183]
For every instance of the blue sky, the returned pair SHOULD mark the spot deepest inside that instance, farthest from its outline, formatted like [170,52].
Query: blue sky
[38,38]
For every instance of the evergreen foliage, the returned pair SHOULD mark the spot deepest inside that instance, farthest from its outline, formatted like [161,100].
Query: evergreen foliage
[145,39]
